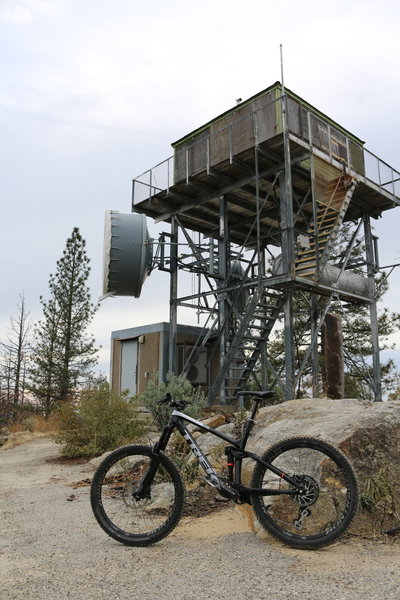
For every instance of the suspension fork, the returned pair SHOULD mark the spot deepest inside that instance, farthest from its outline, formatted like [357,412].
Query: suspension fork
[143,490]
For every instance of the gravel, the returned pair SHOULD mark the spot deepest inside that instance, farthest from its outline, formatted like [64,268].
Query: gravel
[52,548]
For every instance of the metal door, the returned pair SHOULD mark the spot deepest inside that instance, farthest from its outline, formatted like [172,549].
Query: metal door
[129,359]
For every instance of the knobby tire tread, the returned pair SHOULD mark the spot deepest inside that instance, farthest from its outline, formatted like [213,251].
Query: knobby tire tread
[298,541]
[107,525]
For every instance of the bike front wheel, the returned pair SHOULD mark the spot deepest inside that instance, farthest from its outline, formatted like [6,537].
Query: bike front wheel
[131,518]
[328,500]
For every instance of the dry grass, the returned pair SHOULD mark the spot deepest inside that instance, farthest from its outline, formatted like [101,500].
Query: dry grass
[35,424]
[21,437]
[29,428]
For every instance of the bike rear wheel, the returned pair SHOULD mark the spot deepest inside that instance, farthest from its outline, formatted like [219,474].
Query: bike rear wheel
[329,499]
[126,517]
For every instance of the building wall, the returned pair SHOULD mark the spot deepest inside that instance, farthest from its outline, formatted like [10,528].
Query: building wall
[148,359]
[152,353]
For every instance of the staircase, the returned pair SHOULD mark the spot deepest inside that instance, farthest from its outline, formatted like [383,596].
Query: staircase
[245,347]
[332,200]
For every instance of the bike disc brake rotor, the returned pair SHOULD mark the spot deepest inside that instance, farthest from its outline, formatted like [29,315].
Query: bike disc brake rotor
[309,492]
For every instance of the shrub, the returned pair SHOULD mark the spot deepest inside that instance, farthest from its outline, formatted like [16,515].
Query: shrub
[179,451]
[380,496]
[101,420]
[180,389]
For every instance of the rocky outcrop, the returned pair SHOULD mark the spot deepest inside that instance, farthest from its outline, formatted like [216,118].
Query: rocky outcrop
[368,433]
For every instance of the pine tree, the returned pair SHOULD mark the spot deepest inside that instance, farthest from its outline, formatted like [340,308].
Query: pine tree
[43,373]
[65,353]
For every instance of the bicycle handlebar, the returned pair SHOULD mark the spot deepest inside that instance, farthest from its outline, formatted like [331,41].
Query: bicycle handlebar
[179,404]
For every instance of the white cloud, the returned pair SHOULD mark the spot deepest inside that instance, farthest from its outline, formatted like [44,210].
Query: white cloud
[14,12]
[24,12]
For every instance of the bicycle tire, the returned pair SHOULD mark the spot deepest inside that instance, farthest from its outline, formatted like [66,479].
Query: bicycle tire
[128,520]
[324,511]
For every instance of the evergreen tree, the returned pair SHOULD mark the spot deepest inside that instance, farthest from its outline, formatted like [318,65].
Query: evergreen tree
[43,374]
[65,353]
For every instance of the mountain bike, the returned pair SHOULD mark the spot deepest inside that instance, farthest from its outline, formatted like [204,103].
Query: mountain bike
[303,490]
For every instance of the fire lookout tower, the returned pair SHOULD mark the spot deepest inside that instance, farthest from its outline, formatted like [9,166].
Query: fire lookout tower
[255,200]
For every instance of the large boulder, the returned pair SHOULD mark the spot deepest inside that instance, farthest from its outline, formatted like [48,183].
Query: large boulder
[368,433]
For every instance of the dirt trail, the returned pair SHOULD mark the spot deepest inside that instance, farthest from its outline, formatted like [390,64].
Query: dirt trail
[51,547]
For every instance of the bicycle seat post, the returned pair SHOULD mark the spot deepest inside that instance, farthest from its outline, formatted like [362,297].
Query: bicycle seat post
[258,397]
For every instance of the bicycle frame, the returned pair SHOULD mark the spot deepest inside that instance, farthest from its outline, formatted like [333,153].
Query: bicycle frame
[137,494]
[236,452]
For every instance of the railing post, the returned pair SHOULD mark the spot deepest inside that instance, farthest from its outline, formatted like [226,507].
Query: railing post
[150,182]
[133,195]
[208,155]
[379,175]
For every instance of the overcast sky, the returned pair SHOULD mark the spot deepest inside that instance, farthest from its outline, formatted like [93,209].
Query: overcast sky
[93,92]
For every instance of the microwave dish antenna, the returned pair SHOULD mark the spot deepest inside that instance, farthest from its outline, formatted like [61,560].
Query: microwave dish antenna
[127,258]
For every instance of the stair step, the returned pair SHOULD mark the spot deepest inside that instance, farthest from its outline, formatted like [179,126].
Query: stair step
[302,266]
[311,258]
[325,221]
[305,270]
[324,227]
[306,274]
[322,242]
[311,251]
[259,327]
[262,317]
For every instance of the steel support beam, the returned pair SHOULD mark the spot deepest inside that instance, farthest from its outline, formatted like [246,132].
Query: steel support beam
[373,311]
[287,237]
[223,306]
[173,304]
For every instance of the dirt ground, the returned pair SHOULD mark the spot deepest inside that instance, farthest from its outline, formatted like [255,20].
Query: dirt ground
[51,547]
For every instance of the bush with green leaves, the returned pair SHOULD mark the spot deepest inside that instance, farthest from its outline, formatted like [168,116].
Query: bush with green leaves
[101,420]
[180,389]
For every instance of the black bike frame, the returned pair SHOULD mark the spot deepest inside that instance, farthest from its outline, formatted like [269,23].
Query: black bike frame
[235,451]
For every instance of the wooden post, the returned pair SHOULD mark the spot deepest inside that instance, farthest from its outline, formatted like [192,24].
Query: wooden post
[332,346]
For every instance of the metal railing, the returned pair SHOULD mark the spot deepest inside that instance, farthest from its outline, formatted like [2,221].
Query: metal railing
[383,175]
[253,128]
[153,181]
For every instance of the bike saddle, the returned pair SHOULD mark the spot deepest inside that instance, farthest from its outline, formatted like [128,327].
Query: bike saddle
[261,395]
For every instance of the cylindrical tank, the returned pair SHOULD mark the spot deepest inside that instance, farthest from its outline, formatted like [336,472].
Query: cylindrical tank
[331,276]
